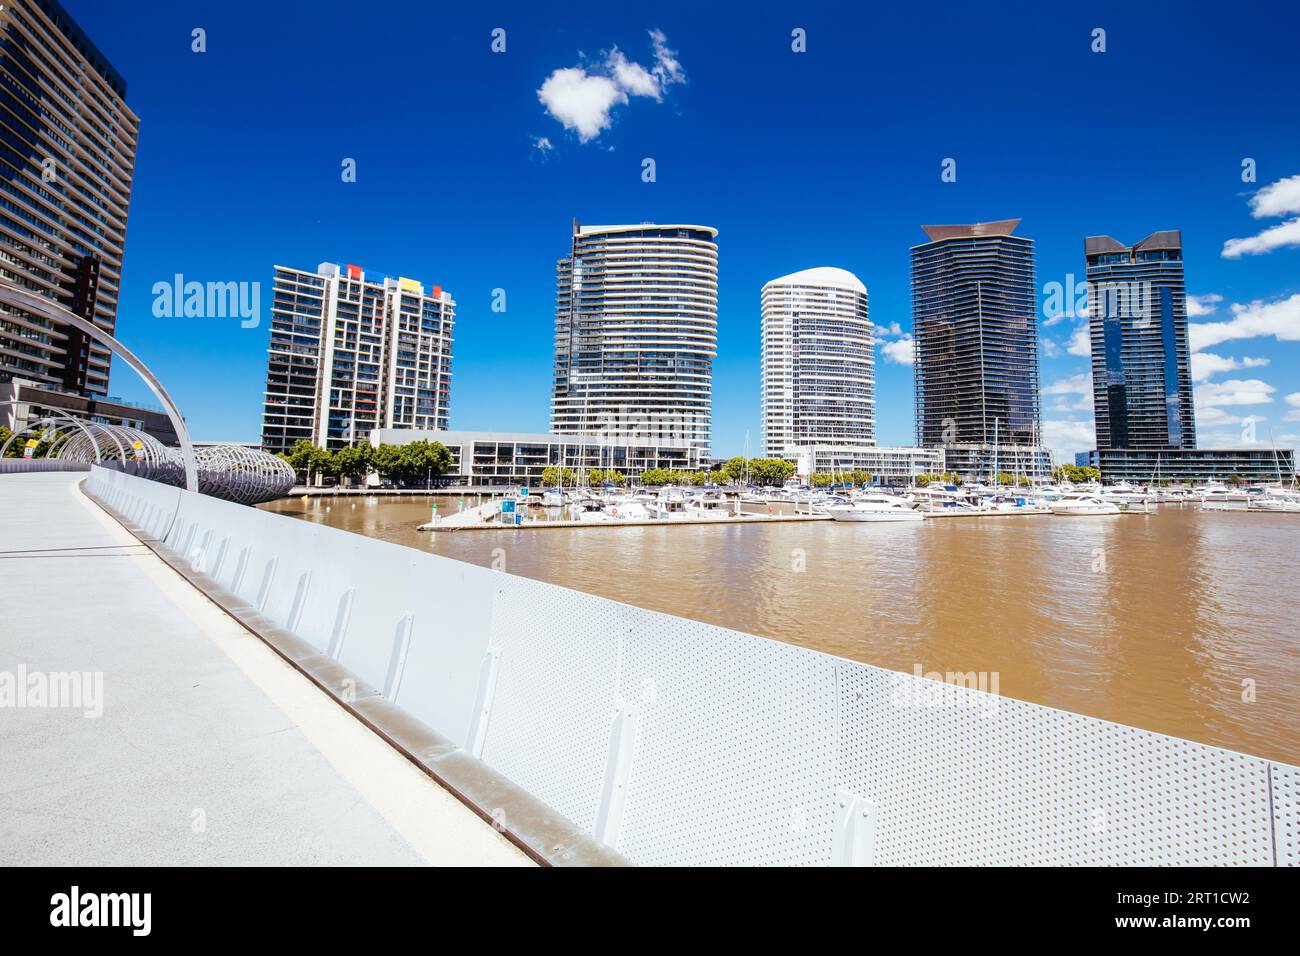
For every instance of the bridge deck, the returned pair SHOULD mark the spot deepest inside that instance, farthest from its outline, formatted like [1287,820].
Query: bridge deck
[209,749]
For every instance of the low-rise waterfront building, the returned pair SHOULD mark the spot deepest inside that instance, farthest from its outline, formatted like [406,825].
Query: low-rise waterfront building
[504,459]
[24,403]
[1196,465]
[886,465]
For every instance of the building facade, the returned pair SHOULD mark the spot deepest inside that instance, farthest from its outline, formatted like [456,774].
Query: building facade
[350,353]
[975,328]
[1196,465]
[887,466]
[24,403]
[67,158]
[636,326]
[1141,358]
[505,459]
[818,365]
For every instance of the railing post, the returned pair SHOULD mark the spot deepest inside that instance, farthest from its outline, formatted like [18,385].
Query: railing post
[618,767]
[854,840]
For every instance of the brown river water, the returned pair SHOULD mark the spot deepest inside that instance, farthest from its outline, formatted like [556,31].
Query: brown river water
[1182,622]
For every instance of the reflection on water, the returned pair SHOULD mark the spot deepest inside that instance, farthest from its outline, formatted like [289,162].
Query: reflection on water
[1155,621]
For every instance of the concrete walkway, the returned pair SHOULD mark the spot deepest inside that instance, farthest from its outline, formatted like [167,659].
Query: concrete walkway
[210,750]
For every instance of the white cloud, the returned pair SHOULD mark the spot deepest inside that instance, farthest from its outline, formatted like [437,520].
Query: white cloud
[895,328]
[1281,236]
[1294,401]
[1233,391]
[1050,348]
[1281,198]
[583,99]
[1067,438]
[1207,364]
[1280,318]
[901,352]
[1198,305]
[581,102]
[1080,340]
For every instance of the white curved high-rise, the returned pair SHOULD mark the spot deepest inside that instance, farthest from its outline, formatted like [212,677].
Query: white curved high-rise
[818,367]
[636,330]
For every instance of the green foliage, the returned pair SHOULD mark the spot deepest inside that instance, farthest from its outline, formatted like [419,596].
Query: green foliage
[770,471]
[553,476]
[352,463]
[1076,474]
[416,461]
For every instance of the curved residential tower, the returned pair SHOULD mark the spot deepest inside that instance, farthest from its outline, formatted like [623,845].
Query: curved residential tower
[636,330]
[818,371]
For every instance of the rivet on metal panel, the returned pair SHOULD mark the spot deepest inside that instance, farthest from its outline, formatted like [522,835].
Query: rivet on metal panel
[618,767]
[397,663]
[268,576]
[299,601]
[487,687]
[854,840]
[341,619]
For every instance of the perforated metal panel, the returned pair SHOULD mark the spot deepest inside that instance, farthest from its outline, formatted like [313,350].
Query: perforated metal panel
[1286,814]
[735,757]
[963,777]
[550,722]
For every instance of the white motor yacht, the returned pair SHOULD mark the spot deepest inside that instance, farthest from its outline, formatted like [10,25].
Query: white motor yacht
[1083,503]
[875,508]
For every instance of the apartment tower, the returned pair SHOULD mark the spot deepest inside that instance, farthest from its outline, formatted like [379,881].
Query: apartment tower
[1141,359]
[636,333]
[974,323]
[350,352]
[67,157]
[818,366]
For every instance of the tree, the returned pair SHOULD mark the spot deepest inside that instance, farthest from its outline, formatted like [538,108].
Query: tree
[353,462]
[771,471]
[654,477]
[385,459]
[615,477]
[595,477]
[304,458]
[820,480]
[734,468]
[422,461]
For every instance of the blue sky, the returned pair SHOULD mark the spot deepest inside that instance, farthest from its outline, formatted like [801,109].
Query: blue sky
[827,157]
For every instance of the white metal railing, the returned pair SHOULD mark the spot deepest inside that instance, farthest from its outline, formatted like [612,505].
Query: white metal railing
[675,741]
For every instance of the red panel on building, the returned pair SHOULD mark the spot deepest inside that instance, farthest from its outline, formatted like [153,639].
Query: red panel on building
[354,272]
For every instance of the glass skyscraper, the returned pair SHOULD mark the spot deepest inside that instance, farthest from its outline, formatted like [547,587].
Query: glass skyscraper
[636,330]
[1141,362]
[67,157]
[975,329]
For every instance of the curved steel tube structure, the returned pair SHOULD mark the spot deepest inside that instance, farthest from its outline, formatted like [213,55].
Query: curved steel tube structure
[11,294]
